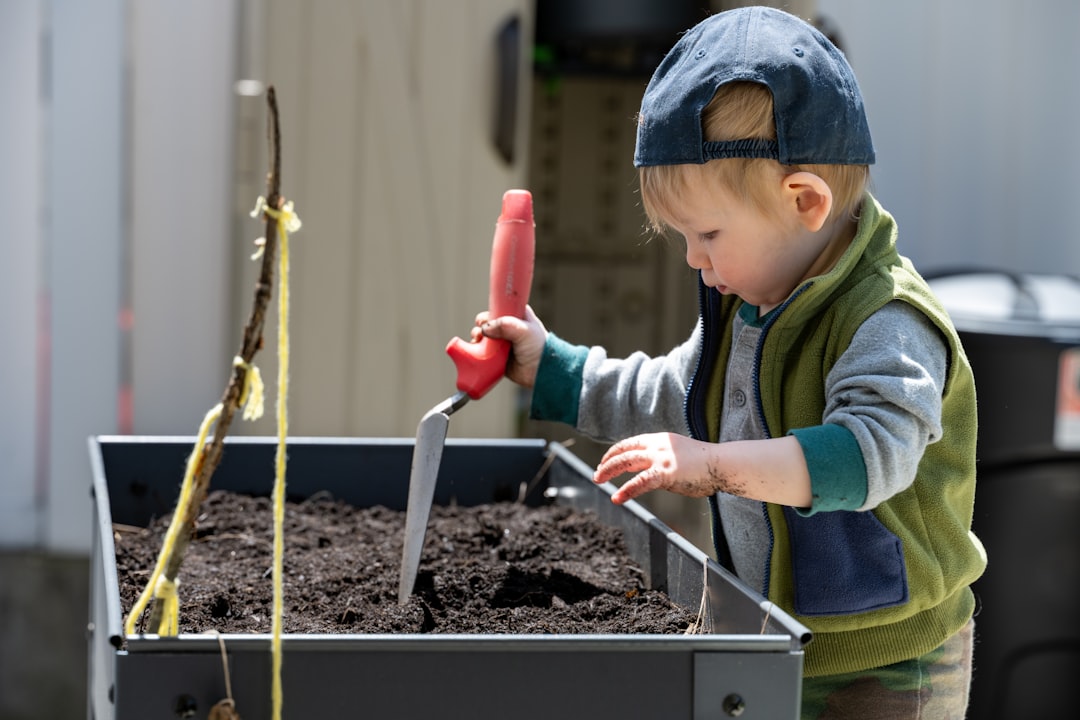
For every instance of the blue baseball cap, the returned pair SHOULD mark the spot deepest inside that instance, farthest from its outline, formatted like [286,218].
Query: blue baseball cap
[818,107]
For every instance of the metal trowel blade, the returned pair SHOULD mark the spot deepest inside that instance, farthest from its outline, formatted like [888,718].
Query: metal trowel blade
[427,455]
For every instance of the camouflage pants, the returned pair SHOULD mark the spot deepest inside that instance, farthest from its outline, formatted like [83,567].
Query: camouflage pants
[932,687]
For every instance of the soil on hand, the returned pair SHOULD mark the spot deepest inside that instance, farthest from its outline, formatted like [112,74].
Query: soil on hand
[499,568]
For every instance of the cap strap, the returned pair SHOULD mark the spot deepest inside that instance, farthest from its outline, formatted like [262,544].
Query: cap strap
[753,148]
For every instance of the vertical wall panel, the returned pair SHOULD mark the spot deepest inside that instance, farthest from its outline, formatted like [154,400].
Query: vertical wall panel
[183,65]
[21,127]
[388,156]
[85,208]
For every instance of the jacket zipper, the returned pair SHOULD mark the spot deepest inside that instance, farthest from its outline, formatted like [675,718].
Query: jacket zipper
[764,425]
[694,422]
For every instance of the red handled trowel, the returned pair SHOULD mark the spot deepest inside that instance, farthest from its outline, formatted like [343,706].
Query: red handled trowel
[480,365]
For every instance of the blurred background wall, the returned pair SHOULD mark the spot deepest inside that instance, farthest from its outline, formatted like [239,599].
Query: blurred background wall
[131,150]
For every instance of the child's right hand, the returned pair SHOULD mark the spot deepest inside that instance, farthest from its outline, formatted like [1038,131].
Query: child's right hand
[527,337]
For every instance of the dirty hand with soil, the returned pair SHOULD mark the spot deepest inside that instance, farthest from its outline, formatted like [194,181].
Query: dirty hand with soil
[772,470]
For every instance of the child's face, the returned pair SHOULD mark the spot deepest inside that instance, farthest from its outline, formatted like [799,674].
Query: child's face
[739,249]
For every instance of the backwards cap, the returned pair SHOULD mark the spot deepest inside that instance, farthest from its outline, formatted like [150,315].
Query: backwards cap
[817,105]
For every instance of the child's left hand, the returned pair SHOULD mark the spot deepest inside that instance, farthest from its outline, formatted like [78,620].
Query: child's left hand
[772,470]
[666,461]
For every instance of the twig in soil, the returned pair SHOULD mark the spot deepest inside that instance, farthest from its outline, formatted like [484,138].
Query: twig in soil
[526,488]
[317,496]
[765,622]
[346,612]
[205,457]
[698,626]
[248,538]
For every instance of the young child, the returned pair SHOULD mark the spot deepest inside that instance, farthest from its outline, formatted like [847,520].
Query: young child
[823,403]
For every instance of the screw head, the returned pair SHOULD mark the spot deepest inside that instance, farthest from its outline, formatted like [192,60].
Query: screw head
[185,706]
[734,705]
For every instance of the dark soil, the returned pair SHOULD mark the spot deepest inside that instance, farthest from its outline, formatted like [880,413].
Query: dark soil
[499,568]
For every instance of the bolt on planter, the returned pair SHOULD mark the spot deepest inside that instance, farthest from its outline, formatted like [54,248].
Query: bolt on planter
[749,665]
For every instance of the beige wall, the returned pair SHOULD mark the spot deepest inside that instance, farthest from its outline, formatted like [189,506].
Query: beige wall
[386,117]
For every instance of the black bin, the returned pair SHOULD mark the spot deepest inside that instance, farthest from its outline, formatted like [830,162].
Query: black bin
[1022,336]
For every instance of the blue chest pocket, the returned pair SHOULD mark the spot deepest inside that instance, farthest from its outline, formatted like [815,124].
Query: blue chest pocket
[845,562]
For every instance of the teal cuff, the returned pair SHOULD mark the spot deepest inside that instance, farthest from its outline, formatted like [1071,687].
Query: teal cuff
[557,390]
[837,470]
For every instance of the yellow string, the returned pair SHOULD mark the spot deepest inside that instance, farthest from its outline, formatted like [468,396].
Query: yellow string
[252,394]
[165,592]
[154,587]
[287,221]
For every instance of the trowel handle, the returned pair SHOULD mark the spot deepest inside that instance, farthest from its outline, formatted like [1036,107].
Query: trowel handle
[481,364]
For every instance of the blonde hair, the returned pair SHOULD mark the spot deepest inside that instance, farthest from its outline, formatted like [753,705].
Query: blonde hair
[738,111]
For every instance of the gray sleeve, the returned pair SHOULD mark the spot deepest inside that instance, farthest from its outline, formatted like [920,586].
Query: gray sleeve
[638,394]
[886,389]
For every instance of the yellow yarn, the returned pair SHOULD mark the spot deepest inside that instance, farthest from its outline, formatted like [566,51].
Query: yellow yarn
[251,396]
[160,587]
[165,592]
[287,221]
[155,587]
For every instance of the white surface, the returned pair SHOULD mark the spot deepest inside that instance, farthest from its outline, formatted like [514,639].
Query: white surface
[85,237]
[972,105]
[20,210]
[996,296]
[183,69]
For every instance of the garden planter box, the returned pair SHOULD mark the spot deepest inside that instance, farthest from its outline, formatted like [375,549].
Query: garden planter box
[750,666]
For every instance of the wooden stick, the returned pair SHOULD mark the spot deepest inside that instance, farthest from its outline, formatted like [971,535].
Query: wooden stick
[251,343]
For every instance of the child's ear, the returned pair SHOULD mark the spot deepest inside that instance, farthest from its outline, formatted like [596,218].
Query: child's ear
[809,197]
